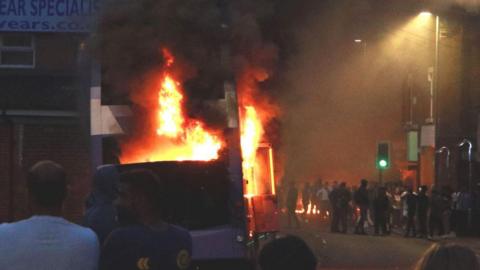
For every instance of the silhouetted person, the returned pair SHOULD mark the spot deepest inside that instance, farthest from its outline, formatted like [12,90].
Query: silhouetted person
[332,196]
[362,201]
[476,210]
[463,204]
[292,197]
[437,207]
[422,211]
[448,256]
[287,253]
[101,215]
[411,207]
[381,206]
[151,243]
[340,198]
[46,241]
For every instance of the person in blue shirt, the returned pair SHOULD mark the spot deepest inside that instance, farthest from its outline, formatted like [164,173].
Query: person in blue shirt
[149,242]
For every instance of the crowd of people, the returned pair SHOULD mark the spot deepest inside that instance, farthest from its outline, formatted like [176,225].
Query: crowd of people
[424,212]
[131,233]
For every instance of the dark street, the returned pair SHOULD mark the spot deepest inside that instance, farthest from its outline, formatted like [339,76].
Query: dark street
[350,251]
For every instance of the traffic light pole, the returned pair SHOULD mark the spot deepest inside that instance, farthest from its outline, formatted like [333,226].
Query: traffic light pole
[380,176]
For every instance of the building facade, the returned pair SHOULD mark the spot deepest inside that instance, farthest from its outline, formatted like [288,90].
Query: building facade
[44,98]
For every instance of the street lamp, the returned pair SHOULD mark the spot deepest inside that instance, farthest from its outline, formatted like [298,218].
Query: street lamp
[445,149]
[440,151]
[469,158]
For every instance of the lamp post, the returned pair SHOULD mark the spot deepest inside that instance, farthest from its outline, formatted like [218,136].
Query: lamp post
[435,93]
[433,118]
[435,70]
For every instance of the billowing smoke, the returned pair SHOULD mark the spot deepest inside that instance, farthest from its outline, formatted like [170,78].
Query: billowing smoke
[131,35]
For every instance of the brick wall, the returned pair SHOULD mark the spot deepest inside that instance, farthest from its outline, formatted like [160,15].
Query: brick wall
[62,143]
[5,168]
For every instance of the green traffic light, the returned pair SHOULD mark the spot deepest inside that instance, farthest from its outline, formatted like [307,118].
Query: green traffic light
[383,163]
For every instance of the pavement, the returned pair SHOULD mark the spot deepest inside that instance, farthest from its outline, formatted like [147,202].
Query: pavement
[351,251]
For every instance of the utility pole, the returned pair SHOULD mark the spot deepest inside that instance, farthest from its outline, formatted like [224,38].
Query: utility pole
[435,84]
[380,176]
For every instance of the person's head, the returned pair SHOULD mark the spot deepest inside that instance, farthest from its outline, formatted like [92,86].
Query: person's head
[343,185]
[409,189]
[363,183]
[448,257]
[289,252]
[105,182]
[47,186]
[140,197]
[423,189]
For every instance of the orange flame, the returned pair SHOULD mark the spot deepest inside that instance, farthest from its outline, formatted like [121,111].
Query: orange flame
[170,120]
[177,137]
[251,134]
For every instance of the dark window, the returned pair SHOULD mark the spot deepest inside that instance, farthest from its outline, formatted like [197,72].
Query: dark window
[17,50]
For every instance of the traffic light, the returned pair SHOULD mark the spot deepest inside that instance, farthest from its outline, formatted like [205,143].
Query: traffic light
[383,155]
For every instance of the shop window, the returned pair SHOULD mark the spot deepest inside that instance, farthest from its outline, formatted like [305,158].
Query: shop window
[17,50]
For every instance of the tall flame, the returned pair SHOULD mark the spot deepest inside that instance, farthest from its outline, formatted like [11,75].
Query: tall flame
[170,116]
[251,134]
[177,137]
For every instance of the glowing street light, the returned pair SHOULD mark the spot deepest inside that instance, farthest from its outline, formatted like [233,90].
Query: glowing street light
[425,14]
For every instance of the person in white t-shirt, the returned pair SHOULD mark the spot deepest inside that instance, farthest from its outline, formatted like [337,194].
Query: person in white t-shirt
[46,241]
[322,197]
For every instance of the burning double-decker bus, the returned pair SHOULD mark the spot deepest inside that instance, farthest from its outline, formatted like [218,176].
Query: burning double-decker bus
[220,182]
